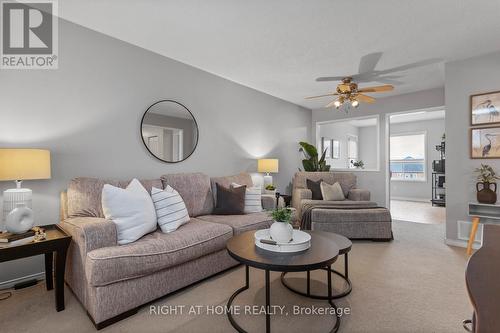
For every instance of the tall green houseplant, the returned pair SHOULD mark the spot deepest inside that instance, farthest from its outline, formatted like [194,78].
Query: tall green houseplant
[311,161]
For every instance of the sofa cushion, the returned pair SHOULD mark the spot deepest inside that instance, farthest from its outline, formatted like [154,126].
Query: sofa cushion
[195,189]
[84,195]
[241,223]
[347,180]
[230,201]
[131,210]
[315,188]
[241,179]
[332,192]
[155,252]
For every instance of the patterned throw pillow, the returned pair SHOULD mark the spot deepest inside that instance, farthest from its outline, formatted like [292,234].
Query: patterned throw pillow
[253,199]
[170,208]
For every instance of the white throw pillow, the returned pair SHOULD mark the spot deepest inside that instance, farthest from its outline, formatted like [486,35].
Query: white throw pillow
[332,192]
[131,209]
[253,199]
[171,210]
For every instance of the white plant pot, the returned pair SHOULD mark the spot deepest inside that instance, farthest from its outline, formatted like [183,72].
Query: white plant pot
[281,232]
[20,219]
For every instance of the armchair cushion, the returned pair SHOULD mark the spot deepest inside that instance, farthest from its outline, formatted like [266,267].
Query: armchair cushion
[358,195]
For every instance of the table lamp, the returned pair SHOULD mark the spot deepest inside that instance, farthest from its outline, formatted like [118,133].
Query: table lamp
[267,166]
[19,165]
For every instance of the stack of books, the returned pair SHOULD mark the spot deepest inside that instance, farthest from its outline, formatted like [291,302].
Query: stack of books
[8,239]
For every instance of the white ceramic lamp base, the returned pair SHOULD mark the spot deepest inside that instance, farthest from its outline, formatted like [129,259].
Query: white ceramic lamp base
[268,180]
[11,198]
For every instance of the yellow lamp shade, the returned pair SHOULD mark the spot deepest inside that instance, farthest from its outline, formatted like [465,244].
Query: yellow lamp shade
[24,164]
[267,165]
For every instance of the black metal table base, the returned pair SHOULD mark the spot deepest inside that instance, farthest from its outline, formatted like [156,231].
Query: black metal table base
[341,294]
[238,328]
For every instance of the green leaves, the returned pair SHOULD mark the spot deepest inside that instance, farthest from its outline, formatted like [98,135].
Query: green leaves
[282,215]
[311,162]
[486,174]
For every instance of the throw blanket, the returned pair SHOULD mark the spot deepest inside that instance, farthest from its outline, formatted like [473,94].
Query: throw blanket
[307,208]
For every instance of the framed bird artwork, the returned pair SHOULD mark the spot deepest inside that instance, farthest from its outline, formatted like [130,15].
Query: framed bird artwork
[485,142]
[485,108]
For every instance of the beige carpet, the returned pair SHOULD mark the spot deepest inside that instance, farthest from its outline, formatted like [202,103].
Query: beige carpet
[416,211]
[413,284]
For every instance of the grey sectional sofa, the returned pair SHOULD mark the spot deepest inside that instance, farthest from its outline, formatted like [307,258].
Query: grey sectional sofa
[112,281]
[356,217]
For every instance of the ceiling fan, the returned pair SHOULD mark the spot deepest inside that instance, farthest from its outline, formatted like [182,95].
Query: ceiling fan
[348,92]
[351,95]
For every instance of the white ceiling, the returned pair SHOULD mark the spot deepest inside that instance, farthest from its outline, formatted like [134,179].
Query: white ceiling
[281,46]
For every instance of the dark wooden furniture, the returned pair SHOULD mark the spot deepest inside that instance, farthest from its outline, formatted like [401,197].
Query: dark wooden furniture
[55,245]
[481,277]
[344,245]
[322,254]
[438,189]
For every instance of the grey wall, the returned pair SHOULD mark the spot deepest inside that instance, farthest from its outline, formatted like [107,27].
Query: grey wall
[464,78]
[88,114]
[367,145]
[338,131]
[419,190]
[376,180]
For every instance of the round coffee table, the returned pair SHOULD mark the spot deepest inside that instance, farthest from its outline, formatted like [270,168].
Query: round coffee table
[344,245]
[322,254]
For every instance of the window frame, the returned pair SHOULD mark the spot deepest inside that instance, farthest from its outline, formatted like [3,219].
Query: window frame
[424,180]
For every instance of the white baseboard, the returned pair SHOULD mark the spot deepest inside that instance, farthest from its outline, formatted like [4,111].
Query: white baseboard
[461,243]
[10,283]
[412,199]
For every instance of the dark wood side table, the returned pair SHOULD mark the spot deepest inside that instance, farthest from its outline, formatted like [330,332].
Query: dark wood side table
[54,245]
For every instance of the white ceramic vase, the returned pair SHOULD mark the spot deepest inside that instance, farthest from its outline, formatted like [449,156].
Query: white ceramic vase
[281,232]
[20,219]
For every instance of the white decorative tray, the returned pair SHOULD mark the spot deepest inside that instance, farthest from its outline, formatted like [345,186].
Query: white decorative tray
[301,241]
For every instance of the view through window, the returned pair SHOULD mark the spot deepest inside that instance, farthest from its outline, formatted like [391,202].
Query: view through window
[408,157]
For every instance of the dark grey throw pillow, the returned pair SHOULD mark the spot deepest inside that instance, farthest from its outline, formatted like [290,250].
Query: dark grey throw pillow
[315,188]
[230,201]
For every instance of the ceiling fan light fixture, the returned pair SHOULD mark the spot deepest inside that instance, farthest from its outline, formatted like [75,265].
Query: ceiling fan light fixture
[337,104]
[354,103]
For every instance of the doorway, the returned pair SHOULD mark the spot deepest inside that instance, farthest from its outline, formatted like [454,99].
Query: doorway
[416,178]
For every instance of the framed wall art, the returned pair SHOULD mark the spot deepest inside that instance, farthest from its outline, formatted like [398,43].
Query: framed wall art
[485,142]
[485,108]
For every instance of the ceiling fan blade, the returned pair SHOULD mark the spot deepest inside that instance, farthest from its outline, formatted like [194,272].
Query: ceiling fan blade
[330,104]
[365,98]
[330,78]
[384,88]
[311,97]
[369,61]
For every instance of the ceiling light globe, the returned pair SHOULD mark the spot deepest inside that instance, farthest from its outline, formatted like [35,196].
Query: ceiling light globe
[337,104]
[355,103]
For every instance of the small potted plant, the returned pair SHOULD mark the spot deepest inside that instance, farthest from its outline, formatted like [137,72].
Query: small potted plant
[358,164]
[270,189]
[281,230]
[486,177]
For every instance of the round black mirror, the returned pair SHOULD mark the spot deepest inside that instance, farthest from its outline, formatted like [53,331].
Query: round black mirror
[169,131]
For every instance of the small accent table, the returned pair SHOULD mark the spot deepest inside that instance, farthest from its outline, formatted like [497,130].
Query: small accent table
[55,245]
[477,211]
[322,254]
